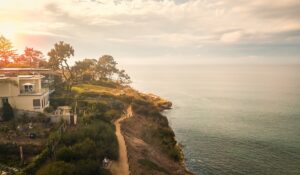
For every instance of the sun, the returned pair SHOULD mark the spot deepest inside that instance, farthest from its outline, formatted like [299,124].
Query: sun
[8,30]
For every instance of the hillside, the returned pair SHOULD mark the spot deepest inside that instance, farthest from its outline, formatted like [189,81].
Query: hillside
[151,144]
[103,130]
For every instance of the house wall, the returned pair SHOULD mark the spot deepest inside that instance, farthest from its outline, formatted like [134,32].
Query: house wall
[5,90]
[23,102]
[8,89]
[26,102]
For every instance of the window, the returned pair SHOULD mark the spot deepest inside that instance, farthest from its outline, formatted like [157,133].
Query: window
[36,103]
[28,88]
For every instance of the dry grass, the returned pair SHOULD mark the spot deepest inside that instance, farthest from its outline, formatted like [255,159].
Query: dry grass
[107,90]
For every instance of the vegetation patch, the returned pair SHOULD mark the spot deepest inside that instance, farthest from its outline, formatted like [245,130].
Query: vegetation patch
[152,166]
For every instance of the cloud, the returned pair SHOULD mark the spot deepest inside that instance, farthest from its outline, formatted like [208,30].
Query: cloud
[231,37]
[125,26]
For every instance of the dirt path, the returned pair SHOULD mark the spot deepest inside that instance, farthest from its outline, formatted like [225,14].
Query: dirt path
[121,166]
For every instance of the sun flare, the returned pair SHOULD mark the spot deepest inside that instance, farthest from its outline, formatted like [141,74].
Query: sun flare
[9,30]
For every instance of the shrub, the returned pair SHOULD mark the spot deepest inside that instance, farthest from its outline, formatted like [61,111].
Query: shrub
[57,168]
[104,83]
[100,133]
[89,167]
[86,149]
[112,114]
[72,138]
[49,109]
[117,105]
[152,166]
[175,153]
[66,154]
[37,162]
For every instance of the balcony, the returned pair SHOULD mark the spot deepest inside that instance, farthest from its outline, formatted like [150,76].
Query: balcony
[34,91]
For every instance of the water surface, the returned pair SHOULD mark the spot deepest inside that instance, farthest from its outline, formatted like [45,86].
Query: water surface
[231,119]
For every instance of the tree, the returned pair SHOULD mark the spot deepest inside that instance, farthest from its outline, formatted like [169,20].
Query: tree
[30,57]
[85,70]
[8,112]
[59,56]
[106,67]
[44,64]
[123,77]
[6,51]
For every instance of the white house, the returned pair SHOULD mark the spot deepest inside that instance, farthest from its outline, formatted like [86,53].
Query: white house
[65,113]
[24,92]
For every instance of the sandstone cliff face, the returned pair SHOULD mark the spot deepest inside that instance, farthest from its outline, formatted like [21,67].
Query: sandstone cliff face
[145,154]
[151,143]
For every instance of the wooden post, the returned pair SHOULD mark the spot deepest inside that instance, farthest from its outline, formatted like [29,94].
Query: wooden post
[21,155]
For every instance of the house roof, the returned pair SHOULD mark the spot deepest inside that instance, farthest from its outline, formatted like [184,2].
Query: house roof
[28,70]
[31,76]
[24,69]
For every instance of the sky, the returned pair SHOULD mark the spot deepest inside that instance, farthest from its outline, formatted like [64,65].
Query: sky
[159,31]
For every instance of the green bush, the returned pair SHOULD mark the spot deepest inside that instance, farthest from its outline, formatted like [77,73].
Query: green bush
[117,105]
[112,114]
[57,168]
[70,138]
[37,162]
[101,133]
[66,154]
[82,167]
[90,167]
[86,149]
[49,109]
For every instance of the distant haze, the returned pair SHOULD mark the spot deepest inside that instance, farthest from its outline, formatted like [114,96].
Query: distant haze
[159,31]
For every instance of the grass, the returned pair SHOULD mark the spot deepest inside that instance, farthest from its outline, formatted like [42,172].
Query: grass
[96,89]
[152,166]
[117,91]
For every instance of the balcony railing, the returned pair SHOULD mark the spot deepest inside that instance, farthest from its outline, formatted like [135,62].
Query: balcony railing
[34,91]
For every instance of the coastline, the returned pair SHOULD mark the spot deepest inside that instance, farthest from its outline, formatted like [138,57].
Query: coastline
[182,162]
[151,142]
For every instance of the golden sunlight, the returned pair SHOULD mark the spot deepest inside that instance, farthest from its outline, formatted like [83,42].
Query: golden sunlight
[9,30]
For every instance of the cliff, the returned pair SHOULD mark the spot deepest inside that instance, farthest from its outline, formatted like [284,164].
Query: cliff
[151,144]
[150,141]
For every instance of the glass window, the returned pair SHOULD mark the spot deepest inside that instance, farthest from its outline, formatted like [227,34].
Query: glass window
[28,88]
[36,103]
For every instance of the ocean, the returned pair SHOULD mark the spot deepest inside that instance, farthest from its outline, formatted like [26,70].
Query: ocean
[230,119]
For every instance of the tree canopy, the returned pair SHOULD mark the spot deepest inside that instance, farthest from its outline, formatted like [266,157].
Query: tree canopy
[103,69]
[58,60]
[6,51]
[88,70]
[9,58]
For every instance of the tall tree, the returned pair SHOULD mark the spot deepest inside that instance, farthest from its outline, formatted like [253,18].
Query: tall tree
[85,70]
[59,57]
[106,67]
[123,77]
[30,57]
[6,51]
